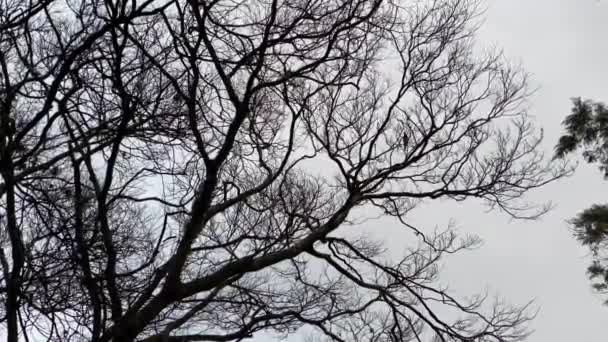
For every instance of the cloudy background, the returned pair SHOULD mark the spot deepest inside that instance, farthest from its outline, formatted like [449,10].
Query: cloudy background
[563,45]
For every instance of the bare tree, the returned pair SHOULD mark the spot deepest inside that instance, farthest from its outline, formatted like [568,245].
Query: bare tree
[192,170]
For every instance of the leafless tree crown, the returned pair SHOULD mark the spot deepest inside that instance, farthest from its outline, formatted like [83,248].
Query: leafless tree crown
[178,170]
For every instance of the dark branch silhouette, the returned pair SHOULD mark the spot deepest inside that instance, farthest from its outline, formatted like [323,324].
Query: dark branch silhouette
[191,170]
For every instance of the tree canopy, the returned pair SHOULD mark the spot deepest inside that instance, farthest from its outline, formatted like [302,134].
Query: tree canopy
[587,131]
[193,170]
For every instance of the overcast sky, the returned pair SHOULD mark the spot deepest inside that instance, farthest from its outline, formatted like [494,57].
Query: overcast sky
[562,43]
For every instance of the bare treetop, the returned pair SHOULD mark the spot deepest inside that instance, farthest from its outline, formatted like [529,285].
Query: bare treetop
[178,170]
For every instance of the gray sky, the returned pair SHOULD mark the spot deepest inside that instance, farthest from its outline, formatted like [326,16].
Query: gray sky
[562,44]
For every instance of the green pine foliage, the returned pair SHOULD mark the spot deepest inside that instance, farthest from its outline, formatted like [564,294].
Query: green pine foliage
[587,131]
[591,229]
